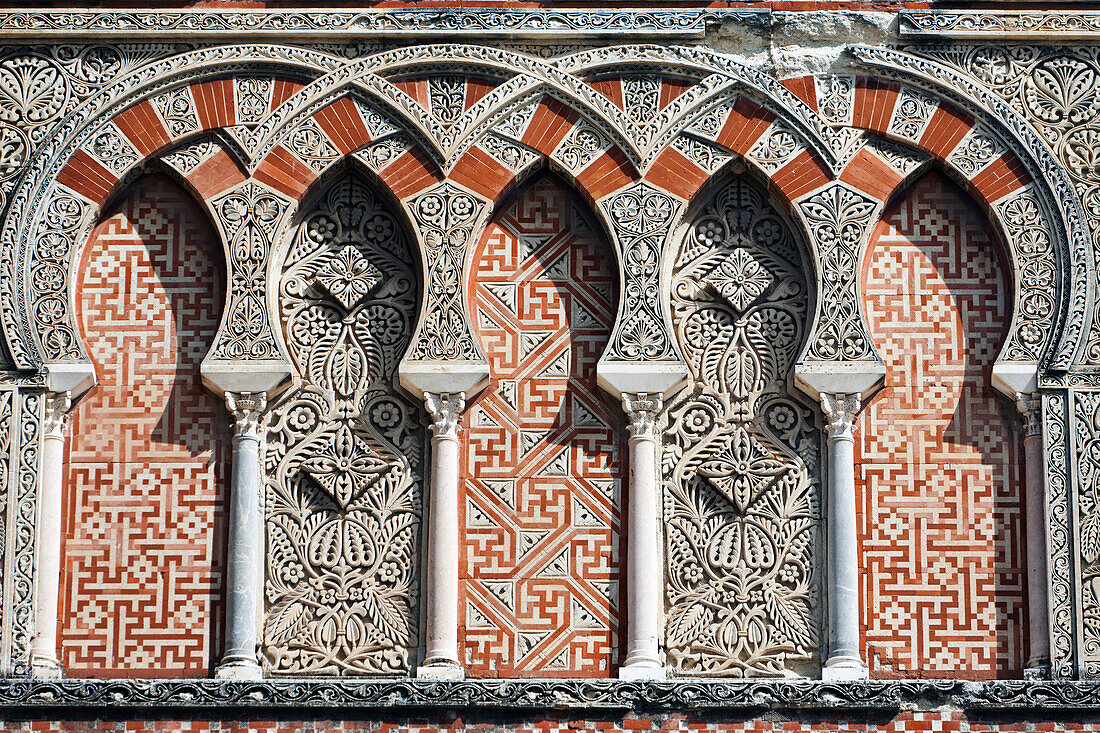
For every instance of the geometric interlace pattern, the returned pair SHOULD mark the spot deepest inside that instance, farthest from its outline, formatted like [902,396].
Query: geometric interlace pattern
[541,520]
[939,476]
[144,522]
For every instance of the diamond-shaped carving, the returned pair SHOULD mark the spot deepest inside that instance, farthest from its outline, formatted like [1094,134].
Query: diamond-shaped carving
[739,278]
[345,467]
[349,276]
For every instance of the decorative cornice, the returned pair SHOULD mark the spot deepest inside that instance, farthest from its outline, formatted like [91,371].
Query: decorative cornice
[1030,25]
[220,24]
[547,694]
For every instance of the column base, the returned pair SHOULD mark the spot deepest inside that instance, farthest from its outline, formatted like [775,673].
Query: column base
[441,671]
[843,669]
[46,669]
[642,672]
[239,670]
[1038,669]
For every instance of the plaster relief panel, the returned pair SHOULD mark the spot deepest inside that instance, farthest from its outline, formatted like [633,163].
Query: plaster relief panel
[741,461]
[345,450]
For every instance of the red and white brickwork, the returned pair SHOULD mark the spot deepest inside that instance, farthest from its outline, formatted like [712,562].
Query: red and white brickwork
[939,475]
[540,498]
[935,721]
[143,522]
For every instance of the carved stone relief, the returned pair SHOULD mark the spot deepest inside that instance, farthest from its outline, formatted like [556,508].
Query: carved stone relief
[345,451]
[741,459]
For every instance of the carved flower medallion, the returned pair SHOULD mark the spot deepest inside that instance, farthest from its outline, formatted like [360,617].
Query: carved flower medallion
[349,277]
[739,278]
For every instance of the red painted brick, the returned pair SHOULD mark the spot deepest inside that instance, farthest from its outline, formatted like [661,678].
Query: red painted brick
[481,173]
[673,88]
[804,88]
[872,175]
[344,125]
[745,125]
[217,173]
[610,88]
[874,103]
[676,174]
[410,173]
[417,89]
[88,177]
[550,123]
[946,128]
[143,128]
[804,173]
[1001,177]
[283,90]
[476,89]
[215,103]
[284,172]
[610,172]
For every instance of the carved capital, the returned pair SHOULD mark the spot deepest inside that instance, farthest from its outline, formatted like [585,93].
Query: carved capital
[57,413]
[445,409]
[1030,406]
[840,410]
[247,409]
[643,410]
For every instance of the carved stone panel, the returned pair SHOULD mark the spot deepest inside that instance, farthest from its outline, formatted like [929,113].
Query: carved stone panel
[741,454]
[345,451]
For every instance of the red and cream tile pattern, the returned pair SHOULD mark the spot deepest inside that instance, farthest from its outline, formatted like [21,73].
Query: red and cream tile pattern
[939,479]
[143,524]
[541,526]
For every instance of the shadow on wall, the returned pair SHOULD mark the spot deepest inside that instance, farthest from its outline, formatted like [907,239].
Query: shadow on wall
[144,529]
[940,474]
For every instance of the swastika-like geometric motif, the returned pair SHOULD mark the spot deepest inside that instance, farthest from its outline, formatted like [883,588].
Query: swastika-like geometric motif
[344,449]
[939,474]
[741,459]
[144,508]
[541,496]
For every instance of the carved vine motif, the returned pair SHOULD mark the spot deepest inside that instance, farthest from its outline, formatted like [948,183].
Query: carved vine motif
[1087,418]
[1058,91]
[642,216]
[839,217]
[249,217]
[345,450]
[446,216]
[740,465]
[64,220]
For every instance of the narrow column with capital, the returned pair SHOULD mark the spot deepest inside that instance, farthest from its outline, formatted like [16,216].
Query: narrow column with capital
[44,661]
[644,574]
[245,541]
[1038,658]
[843,661]
[441,654]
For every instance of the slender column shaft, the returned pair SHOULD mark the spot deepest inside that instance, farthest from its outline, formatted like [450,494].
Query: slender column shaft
[1038,659]
[243,565]
[44,662]
[441,653]
[843,660]
[644,574]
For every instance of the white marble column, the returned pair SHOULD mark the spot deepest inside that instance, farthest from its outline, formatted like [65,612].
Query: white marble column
[843,661]
[44,662]
[441,659]
[243,583]
[644,572]
[1038,658]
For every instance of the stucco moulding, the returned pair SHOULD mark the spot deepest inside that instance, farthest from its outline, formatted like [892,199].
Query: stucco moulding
[562,694]
[1031,25]
[335,24]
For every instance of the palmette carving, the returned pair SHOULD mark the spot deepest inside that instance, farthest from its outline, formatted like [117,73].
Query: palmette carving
[740,463]
[344,449]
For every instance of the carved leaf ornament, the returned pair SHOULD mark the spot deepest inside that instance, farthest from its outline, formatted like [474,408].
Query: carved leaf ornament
[740,461]
[344,449]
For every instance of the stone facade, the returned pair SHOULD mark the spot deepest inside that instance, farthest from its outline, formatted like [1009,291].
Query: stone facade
[660,367]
